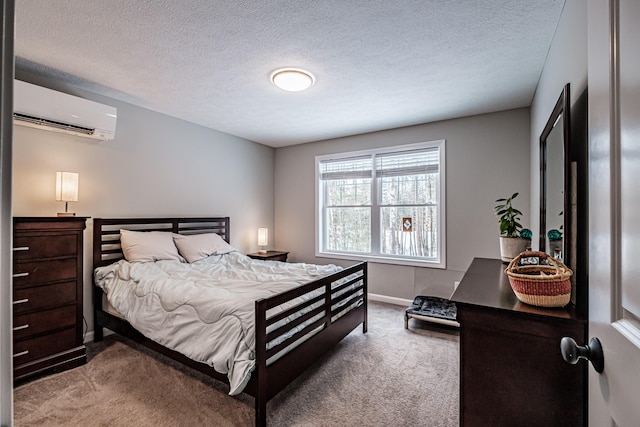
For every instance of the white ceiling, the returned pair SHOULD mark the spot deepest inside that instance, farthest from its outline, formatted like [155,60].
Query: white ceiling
[379,64]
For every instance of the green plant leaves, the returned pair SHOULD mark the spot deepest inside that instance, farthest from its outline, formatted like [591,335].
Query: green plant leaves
[508,217]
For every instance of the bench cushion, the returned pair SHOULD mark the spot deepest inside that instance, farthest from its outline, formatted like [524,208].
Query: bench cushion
[437,307]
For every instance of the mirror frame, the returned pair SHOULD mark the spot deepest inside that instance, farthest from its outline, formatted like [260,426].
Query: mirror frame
[562,107]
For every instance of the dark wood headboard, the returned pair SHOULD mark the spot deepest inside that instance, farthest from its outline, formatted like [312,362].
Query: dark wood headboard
[106,232]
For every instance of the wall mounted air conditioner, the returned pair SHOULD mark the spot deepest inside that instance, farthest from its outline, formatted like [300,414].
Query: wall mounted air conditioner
[42,108]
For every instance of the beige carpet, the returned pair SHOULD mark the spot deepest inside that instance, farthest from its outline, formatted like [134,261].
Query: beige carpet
[387,377]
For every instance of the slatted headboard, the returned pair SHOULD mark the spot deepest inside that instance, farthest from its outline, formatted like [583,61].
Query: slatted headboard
[106,232]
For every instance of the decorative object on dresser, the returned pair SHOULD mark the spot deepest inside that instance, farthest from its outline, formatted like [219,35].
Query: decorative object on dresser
[555,243]
[270,256]
[322,311]
[539,279]
[513,238]
[47,295]
[513,350]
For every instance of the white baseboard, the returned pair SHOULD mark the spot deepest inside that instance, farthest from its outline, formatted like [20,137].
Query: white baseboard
[390,300]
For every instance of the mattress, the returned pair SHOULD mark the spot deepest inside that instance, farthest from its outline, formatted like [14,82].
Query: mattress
[204,310]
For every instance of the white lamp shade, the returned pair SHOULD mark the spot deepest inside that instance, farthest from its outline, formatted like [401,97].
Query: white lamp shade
[67,186]
[263,236]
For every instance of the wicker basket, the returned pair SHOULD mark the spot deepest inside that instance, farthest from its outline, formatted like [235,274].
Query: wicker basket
[542,285]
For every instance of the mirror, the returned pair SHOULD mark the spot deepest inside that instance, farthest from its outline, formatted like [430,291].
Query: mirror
[554,191]
[554,173]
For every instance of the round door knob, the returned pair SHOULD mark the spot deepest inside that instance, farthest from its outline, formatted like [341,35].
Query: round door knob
[572,352]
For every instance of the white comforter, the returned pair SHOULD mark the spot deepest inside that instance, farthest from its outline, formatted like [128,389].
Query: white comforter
[203,310]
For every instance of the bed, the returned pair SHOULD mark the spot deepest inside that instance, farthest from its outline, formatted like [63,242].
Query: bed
[293,328]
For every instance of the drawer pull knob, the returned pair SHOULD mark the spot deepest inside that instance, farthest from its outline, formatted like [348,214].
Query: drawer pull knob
[21,301]
[21,248]
[20,275]
[17,328]
[22,353]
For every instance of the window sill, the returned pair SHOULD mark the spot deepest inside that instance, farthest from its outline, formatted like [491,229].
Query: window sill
[378,259]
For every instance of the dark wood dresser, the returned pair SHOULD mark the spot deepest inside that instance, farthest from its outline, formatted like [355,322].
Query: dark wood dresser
[47,295]
[511,369]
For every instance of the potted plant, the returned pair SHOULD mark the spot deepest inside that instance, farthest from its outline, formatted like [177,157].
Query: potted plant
[513,238]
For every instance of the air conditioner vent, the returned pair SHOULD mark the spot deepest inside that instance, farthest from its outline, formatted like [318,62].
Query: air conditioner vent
[50,123]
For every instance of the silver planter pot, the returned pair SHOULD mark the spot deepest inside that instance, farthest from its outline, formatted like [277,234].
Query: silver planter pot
[510,247]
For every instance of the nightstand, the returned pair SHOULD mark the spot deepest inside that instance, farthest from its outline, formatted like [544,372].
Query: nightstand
[270,256]
[47,295]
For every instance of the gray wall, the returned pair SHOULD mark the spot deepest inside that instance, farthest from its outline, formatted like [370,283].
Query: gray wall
[156,166]
[566,63]
[487,158]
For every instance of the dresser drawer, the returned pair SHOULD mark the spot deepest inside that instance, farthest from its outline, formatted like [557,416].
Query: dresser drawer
[36,348]
[39,297]
[26,325]
[34,272]
[42,246]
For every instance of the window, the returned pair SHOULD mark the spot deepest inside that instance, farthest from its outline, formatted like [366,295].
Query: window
[385,204]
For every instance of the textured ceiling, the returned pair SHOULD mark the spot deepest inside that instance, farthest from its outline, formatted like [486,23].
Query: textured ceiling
[379,64]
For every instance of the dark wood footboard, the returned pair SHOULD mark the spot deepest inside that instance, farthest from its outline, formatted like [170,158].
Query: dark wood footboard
[331,308]
[343,298]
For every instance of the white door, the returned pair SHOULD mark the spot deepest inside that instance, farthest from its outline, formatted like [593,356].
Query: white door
[614,209]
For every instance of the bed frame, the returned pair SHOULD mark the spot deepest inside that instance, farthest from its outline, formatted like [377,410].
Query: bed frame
[268,378]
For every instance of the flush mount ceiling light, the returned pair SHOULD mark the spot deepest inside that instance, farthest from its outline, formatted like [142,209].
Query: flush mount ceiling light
[292,79]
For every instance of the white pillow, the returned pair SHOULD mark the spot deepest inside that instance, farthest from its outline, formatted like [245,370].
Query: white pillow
[195,247]
[146,246]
